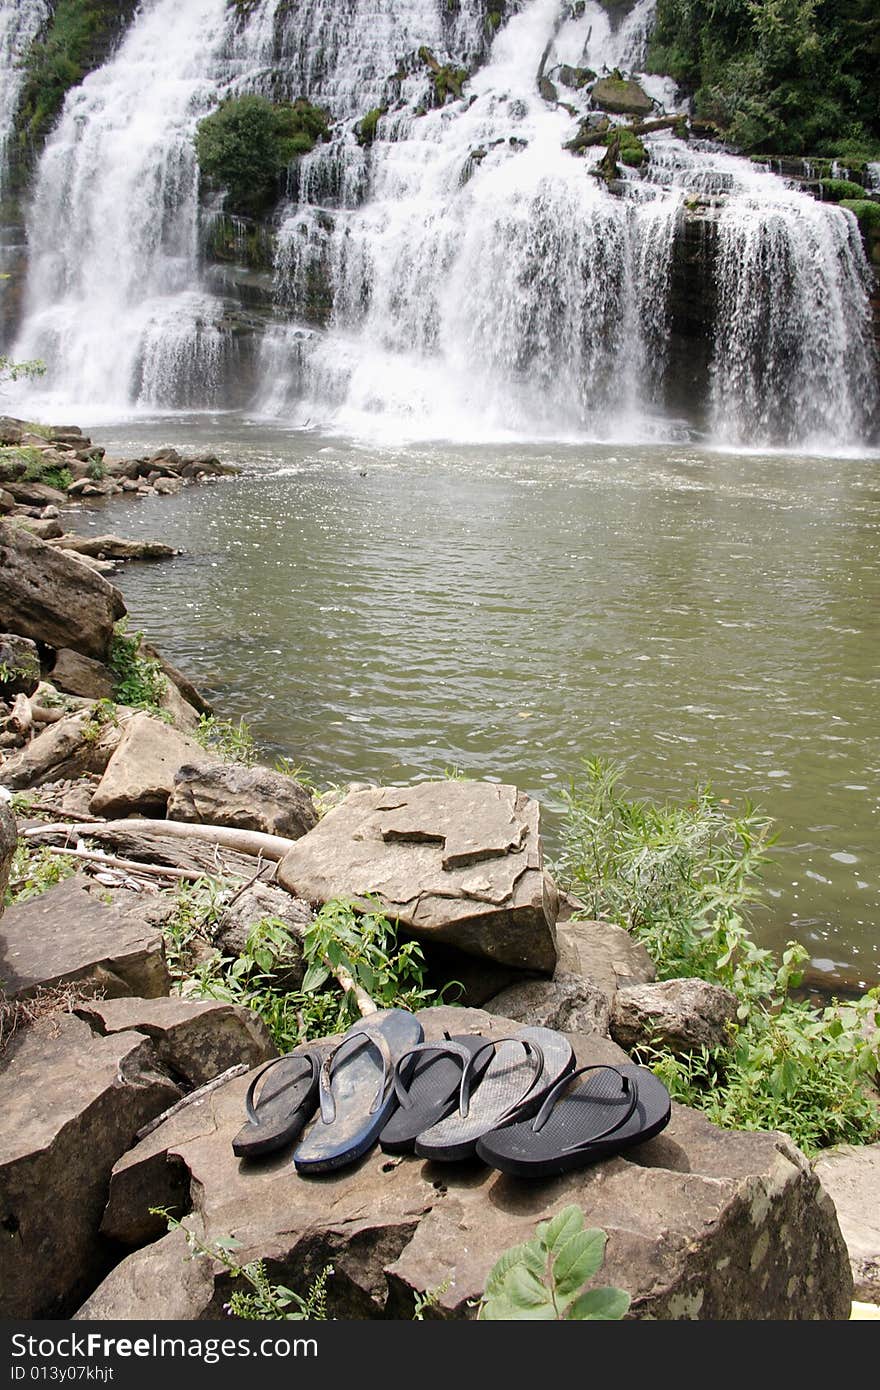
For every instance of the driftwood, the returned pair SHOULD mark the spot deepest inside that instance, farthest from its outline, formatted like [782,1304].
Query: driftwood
[194,1098]
[252,842]
[43,715]
[21,719]
[587,138]
[131,866]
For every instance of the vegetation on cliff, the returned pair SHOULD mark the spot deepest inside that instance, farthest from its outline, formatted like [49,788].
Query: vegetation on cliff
[786,76]
[246,144]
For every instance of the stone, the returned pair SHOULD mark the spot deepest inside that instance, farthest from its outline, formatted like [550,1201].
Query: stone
[850,1175]
[567,1003]
[177,678]
[43,529]
[75,745]
[178,709]
[19,666]
[56,1155]
[602,953]
[167,487]
[68,935]
[258,902]
[140,775]
[458,863]
[8,842]
[115,548]
[35,494]
[701,1223]
[47,596]
[194,1039]
[622,97]
[681,1015]
[7,501]
[251,798]
[81,675]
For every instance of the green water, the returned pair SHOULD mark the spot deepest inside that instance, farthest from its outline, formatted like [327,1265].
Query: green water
[388,614]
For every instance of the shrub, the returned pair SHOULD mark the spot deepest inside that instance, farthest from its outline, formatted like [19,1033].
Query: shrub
[138,680]
[248,141]
[366,127]
[835,189]
[867,213]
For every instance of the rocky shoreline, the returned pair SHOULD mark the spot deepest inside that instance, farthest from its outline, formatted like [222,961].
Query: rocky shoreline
[108,768]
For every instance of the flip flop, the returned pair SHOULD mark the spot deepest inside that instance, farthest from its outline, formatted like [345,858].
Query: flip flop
[612,1109]
[429,1082]
[285,1104]
[521,1070]
[355,1090]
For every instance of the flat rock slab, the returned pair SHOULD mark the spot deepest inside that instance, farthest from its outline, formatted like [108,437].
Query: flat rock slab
[851,1176]
[139,777]
[457,863]
[81,675]
[71,1103]
[701,1223]
[68,934]
[251,798]
[51,598]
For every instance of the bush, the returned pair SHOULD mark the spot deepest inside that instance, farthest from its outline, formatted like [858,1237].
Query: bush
[868,213]
[246,144]
[138,680]
[835,189]
[366,127]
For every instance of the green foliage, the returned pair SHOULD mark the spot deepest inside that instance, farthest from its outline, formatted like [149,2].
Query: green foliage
[543,1279]
[102,713]
[446,80]
[232,742]
[681,878]
[632,150]
[365,130]
[835,189]
[365,945]
[266,1300]
[867,213]
[14,371]
[33,871]
[138,680]
[248,141]
[51,474]
[789,76]
[95,470]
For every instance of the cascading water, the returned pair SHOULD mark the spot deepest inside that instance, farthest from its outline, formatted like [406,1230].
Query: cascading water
[20,23]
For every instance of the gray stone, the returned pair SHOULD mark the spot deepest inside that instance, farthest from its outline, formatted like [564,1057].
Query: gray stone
[140,775]
[850,1175]
[682,1015]
[81,675]
[8,842]
[44,528]
[605,955]
[258,902]
[250,798]
[68,935]
[454,862]
[567,1002]
[72,1104]
[34,494]
[72,747]
[622,97]
[701,1223]
[49,597]
[19,666]
[115,548]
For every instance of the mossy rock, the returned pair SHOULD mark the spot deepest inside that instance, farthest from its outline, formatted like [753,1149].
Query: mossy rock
[365,130]
[574,78]
[868,215]
[833,190]
[622,97]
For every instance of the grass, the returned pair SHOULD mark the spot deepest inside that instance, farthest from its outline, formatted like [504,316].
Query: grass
[33,871]
[232,741]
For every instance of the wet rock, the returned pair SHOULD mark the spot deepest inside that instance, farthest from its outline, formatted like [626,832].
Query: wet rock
[458,863]
[69,935]
[622,97]
[702,1223]
[81,675]
[850,1175]
[115,548]
[47,596]
[682,1015]
[252,798]
[19,666]
[140,774]
[75,745]
[567,1002]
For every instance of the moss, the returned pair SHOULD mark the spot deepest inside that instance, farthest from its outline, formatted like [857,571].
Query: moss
[868,214]
[835,189]
[632,150]
[365,130]
[248,141]
[446,79]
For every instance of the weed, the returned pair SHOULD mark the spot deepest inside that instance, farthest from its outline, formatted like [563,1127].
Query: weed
[35,870]
[544,1278]
[138,680]
[232,742]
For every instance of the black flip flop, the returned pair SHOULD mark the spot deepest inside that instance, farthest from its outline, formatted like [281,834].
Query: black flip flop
[521,1070]
[429,1082]
[286,1103]
[612,1109]
[355,1090]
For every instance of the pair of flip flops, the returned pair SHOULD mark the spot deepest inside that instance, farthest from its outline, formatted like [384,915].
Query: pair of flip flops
[511,1101]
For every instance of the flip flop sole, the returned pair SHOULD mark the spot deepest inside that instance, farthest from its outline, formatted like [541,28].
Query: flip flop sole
[559,1147]
[355,1085]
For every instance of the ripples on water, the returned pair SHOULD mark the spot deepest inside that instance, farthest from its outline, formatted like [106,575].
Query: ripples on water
[508,610]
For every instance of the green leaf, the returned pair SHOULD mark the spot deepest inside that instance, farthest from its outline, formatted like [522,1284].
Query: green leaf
[578,1260]
[561,1227]
[525,1254]
[525,1290]
[606,1305]
[314,978]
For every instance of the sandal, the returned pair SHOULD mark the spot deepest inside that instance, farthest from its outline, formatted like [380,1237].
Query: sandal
[286,1103]
[428,1081]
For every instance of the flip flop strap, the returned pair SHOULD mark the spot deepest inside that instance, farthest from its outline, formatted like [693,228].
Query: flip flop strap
[534,1054]
[362,1038]
[628,1086]
[455,1051]
[308,1057]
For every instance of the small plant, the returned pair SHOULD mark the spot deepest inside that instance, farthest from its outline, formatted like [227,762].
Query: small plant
[232,742]
[33,871]
[248,141]
[544,1279]
[102,713]
[138,681]
[267,1300]
[95,469]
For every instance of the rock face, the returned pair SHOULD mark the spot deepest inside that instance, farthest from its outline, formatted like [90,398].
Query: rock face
[51,598]
[701,1223]
[140,774]
[622,97]
[251,798]
[71,748]
[19,666]
[455,862]
[851,1177]
[683,1015]
[68,934]
[81,675]
[8,841]
[255,904]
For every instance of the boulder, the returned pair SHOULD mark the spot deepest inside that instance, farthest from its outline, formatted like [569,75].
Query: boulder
[458,863]
[81,675]
[7,501]
[56,1155]
[115,548]
[251,798]
[178,709]
[258,902]
[8,842]
[602,953]
[622,97]
[69,935]
[682,1015]
[19,666]
[49,597]
[35,494]
[177,678]
[140,775]
[45,529]
[75,745]
[567,1002]
[850,1175]
[701,1223]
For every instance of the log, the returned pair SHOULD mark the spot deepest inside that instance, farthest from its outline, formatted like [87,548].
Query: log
[251,842]
[587,138]
[130,866]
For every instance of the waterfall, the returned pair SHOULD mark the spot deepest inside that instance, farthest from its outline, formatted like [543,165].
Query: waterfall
[20,23]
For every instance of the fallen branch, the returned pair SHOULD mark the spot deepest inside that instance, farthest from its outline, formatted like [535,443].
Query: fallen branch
[587,138]
[365,1004]
[251,842]
[194,1098]
[21,719]
[131,866]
